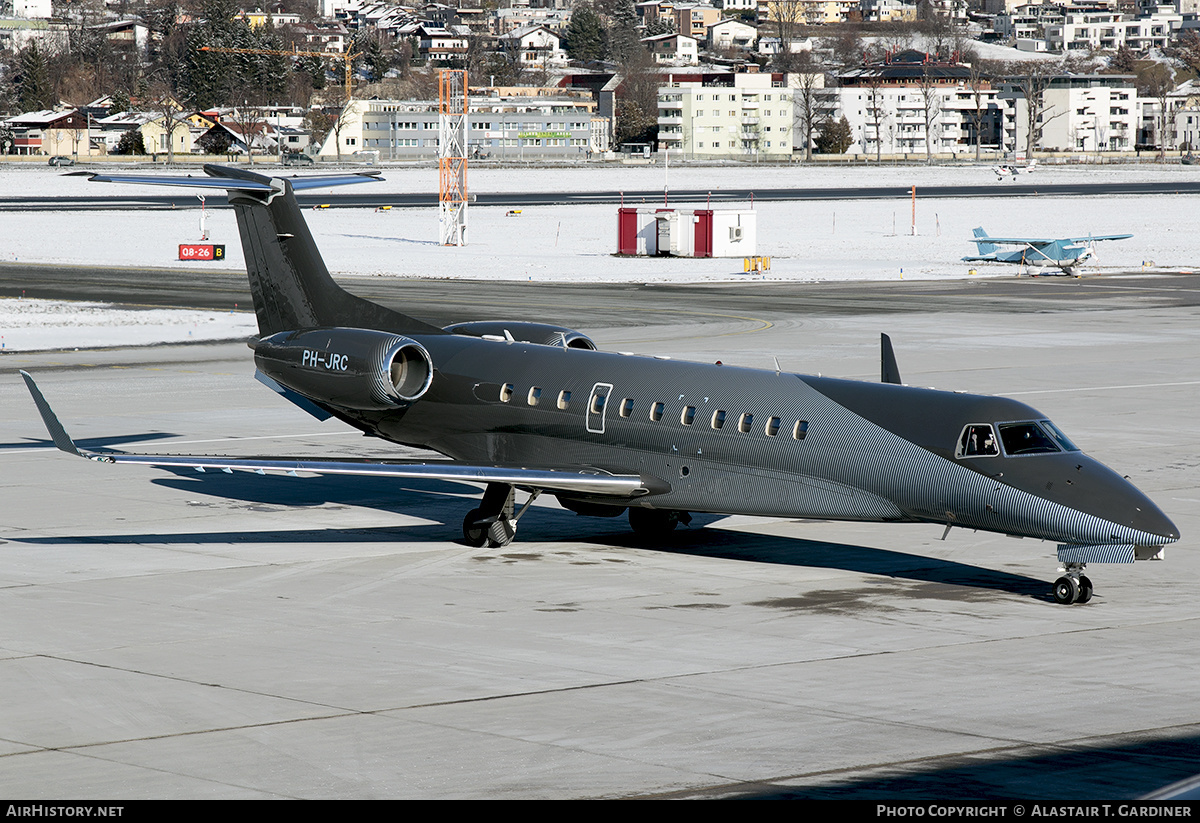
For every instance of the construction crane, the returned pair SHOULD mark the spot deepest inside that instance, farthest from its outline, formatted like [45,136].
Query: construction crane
[345,56]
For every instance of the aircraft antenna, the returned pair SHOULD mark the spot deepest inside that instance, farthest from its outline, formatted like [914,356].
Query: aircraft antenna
[452,157]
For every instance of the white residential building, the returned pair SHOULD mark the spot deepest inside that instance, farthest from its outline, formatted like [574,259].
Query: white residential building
[892,106]
[534,46]
[516,126]
[673,49]
[731,33]
[1093,112]
[731,116]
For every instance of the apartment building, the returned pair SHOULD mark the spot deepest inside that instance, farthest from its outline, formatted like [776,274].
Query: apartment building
[727,115]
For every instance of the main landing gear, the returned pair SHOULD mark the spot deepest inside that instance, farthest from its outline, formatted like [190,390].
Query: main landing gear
[1074,586]
[494,524]
[655,522]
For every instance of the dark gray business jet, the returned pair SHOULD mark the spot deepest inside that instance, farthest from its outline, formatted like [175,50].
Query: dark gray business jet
[534,408]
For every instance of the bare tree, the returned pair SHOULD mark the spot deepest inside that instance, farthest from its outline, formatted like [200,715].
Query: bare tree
[1157,81]
[251,124]
[166,106]
[978,82]
[931,106]
[877,114]
[788,16]
[808,101]
[1032,80]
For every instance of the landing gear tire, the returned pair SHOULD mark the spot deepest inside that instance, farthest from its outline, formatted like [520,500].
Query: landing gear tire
[1085,589]
[1066,590]
[476,534]
[655,522]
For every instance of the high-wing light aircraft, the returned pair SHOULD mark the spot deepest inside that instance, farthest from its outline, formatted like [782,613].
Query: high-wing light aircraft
[532,407]
[1068,253]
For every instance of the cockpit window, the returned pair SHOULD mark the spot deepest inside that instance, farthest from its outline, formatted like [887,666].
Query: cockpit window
[1026,438]
[1059,437]
[977,440]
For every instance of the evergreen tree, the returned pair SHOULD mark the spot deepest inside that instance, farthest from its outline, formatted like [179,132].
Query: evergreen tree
[623,36]
[34,90]
[834,137]
[130,143]
[314,69]
[120,102]
[585,35]
[660,26]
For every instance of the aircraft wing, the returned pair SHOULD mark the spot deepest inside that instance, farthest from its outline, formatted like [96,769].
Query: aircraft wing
[583,480]
[1037,242]
[1089,238]
[1020,241]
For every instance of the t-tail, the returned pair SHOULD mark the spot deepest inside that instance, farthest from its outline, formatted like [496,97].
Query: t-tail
[984,246]
[291,286]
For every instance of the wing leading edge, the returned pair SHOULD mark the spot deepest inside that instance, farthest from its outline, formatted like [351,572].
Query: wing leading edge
[1046,241]
[584,481]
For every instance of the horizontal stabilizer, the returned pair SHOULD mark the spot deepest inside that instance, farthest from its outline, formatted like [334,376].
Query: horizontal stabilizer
[292,396]
[250,182]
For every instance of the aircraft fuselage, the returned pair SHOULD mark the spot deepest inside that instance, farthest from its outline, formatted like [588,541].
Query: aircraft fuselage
[723,439]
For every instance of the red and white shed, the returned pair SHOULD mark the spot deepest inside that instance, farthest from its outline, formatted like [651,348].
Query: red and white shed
[664,232]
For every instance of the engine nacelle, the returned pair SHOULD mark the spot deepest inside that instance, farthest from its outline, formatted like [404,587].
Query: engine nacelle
[543,334]
[359,369]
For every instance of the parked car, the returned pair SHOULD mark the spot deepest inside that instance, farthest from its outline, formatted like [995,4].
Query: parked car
[297,160]
[61,160]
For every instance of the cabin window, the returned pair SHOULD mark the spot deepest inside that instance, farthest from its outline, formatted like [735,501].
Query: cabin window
[746,422]
[535,394]
[772,426]
[718,418]
[506,392]
[977,440]
[800,430]
[1026,438]
[689,415]
[627,407]
[598,403]
[656,411]
[564,399]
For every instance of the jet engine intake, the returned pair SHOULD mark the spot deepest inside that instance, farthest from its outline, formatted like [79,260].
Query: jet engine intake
[543,334]
[359,369]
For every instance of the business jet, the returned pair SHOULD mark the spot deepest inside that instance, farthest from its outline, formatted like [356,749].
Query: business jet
[528,408]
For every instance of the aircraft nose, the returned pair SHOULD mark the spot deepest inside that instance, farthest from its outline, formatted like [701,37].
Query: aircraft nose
[1154,522]
[1111,497]
[1118,512]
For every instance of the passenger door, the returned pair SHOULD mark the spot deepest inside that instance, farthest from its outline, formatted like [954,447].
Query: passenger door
[597,406]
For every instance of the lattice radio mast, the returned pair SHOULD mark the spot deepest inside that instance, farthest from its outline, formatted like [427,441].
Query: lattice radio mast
[452,157]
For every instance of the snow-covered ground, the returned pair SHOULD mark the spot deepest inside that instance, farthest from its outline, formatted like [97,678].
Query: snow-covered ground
[807,241]
[33,325]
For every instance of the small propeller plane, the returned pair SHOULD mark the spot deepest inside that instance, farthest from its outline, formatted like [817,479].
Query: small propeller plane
[1067,254]
[532,407]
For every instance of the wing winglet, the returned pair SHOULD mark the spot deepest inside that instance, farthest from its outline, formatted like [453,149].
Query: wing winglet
[889,370]
[57,433]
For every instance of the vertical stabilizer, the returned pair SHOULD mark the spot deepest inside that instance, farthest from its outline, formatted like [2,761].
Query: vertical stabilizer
[291,286]
[984,246]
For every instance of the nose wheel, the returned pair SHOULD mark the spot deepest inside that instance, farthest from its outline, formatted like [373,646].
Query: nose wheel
[1072,587]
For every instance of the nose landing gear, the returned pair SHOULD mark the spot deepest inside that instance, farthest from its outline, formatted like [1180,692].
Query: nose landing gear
[1074,586]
